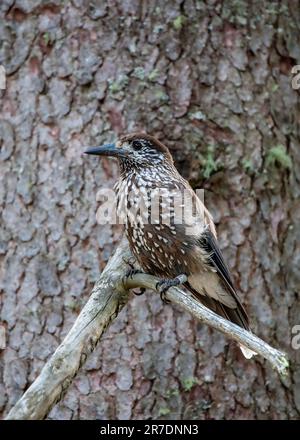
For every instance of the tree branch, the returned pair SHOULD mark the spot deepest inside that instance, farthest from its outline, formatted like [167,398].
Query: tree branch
[177,296]
[108,297]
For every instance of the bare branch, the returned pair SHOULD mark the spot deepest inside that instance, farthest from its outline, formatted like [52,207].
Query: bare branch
[108,297]
[278,359]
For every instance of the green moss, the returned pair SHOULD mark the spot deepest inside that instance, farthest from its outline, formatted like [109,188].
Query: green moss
[236,11]
[210,164]
[173,392]
[179,22]
[153,75]
[278,156]
[272,9]
[248,166]
[164,411]
[47,38]
[188,383]
[161,96]
[139,72]
[118,85]
[284,9]
[114,87]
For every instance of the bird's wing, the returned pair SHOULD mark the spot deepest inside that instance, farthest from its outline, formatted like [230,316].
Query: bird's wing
[215,259]
[210,245]
[227,303]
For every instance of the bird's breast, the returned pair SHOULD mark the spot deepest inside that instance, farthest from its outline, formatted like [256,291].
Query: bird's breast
[158,235]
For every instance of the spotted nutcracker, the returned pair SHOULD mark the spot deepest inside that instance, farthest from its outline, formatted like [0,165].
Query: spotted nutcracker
[178,248]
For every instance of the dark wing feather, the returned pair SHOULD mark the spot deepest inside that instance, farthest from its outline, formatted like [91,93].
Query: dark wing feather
[209,243]
[237,315]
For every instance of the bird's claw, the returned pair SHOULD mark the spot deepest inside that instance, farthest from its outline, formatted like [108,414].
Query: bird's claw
[140,292]
[163,297]
[131,272]
[132,268]
[163,286]
[129,261]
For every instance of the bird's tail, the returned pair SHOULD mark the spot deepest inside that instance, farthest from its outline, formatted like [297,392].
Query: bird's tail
[247,352]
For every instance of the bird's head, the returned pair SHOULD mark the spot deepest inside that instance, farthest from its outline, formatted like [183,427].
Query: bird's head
[135,150]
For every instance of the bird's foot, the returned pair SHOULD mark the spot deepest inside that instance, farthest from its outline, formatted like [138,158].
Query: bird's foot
[139,292]
[133,271]
[131,261]
[164,285]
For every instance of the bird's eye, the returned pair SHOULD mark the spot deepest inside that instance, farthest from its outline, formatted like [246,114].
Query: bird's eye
[137,145]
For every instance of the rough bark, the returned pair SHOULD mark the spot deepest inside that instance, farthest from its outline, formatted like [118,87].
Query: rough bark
[212,80]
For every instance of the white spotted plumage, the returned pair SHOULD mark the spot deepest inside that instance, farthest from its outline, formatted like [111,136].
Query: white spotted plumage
[163,246]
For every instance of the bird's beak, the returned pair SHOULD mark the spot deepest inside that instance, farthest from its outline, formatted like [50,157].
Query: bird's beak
[106,150]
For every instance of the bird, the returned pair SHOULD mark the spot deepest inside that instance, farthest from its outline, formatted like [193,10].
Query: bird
[179,248]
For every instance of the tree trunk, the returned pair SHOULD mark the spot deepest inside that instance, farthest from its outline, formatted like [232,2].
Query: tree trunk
[210,79]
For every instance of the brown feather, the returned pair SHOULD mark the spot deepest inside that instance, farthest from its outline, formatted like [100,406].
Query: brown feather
[169,250]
